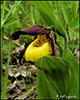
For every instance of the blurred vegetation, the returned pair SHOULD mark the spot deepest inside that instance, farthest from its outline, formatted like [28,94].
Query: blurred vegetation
[62,17]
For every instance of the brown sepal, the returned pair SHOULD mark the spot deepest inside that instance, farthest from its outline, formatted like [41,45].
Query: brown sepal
[33,30]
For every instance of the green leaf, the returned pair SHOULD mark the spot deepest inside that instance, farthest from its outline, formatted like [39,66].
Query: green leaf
[75,71]
[22,8]
[48,15]
[43,88]
[7,9]
[77,8]
[37,16]
[75,23]
[60,27]
[10,21]
[74,89]
[66,11]
[56,71]
[73,46]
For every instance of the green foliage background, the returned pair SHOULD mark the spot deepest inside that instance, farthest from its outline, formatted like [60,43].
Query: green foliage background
[62,17]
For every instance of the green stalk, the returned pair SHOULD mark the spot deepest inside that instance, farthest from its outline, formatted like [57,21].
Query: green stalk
[26,12]
[4,91]
[1,53]
[3,11]
[17,14]
[23,96]
[26,74]
[32,17]
[2,37]
[26,18]
[17,81]
[65,48]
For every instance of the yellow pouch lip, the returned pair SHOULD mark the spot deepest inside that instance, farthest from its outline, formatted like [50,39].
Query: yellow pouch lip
[35,50]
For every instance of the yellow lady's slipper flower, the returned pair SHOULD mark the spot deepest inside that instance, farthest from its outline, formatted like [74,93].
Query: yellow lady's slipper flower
[38,48]
[42,45]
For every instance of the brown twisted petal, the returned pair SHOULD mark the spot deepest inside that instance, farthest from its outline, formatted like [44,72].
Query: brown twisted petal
[23,51]
[54,46]
[33,30]
[56,51]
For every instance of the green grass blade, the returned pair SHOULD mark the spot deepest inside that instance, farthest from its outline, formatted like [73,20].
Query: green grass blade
[3,10]
[77,7]
[3,96]
[74,33]
[2,36]
[10,11]
[75,23]
[10,21]
[32,17]
[27,92]
[66,11]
